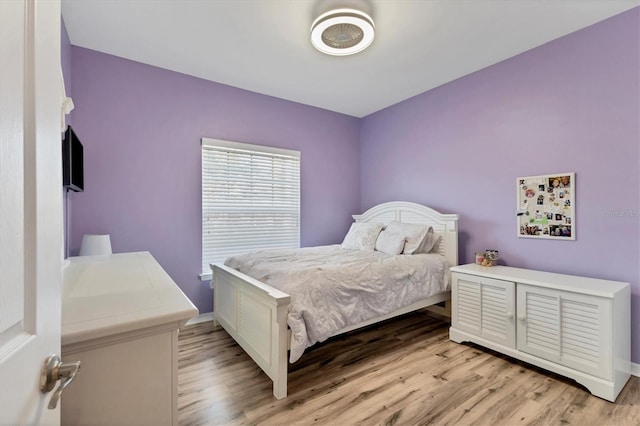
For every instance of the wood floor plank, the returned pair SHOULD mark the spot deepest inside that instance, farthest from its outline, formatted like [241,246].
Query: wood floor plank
[404,371]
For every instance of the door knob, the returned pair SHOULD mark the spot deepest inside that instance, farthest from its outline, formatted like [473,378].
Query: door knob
[52,371]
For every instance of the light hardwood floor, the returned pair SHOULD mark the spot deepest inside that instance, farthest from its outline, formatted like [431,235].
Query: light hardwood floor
[404,371]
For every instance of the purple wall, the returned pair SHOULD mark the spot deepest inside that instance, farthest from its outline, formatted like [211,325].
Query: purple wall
[572,105]
[141,128]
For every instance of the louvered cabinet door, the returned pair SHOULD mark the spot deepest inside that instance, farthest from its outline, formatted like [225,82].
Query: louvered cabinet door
[571,329]
[484,307]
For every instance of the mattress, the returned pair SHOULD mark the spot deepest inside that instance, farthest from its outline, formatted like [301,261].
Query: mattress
[332,288]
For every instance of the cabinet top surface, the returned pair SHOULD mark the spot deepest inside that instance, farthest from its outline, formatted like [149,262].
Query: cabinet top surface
[108,295]
[597,287]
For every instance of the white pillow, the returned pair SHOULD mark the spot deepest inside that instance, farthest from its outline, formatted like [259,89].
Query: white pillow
[390,242]
[429,243]
[415,235]
[362,236]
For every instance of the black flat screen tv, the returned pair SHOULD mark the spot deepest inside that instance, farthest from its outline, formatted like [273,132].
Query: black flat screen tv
[72,162]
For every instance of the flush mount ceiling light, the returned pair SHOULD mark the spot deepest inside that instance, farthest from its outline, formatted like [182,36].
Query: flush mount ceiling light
[342,32]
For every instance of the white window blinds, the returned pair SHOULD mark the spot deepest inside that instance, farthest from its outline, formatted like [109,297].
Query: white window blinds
[250,199]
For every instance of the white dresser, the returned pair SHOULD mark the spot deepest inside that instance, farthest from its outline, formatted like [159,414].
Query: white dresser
[120,318]
[574,326]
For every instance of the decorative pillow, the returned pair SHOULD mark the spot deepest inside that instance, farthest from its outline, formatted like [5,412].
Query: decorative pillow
[415,235]
[362,236]
[390,242]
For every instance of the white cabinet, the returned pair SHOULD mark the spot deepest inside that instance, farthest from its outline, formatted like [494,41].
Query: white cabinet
[120,319]
[575,326]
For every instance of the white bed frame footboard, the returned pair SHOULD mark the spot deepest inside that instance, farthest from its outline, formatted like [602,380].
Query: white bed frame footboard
[255,314]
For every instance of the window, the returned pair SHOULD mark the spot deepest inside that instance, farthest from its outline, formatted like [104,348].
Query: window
[250,200]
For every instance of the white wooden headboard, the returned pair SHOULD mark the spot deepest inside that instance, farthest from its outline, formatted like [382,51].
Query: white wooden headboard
[445,225]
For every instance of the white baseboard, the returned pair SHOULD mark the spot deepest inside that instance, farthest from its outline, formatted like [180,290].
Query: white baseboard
[208,316]
[635,369]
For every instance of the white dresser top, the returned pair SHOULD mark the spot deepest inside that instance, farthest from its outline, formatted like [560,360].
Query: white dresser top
[593,286]
[119,293]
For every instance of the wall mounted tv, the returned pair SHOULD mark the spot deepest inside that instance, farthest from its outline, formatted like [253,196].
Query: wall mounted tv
[72,162]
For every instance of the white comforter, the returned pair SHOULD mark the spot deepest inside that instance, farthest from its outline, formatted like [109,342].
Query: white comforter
[332,288]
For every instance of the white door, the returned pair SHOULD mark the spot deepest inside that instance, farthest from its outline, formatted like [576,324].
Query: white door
[30,206]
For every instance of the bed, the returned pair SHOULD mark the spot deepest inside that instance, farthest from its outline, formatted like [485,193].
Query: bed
[255,313]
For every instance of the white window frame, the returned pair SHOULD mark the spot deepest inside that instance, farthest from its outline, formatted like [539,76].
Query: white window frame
[218,156]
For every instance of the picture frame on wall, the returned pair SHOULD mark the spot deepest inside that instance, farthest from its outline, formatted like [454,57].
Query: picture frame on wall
[546,206]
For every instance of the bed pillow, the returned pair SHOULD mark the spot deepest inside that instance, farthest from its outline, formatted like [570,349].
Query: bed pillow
[390,242]
[430,242]
[362,236]
[415,235]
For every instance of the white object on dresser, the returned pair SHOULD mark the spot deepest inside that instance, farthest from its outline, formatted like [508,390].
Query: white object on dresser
[574,326]
[95,244]
[120,318]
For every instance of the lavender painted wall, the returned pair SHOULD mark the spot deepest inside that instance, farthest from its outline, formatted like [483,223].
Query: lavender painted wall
[572,105]
[141,128]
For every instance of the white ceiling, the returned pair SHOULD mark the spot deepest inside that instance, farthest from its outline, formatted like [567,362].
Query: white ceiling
[264,46]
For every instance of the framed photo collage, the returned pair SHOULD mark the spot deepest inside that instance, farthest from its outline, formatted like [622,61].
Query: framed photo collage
[546,206]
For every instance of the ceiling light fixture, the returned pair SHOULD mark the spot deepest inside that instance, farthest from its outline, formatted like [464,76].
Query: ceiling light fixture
[342,32]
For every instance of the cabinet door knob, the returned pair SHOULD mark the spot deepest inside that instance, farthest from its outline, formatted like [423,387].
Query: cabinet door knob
[510,315]
[522,318]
